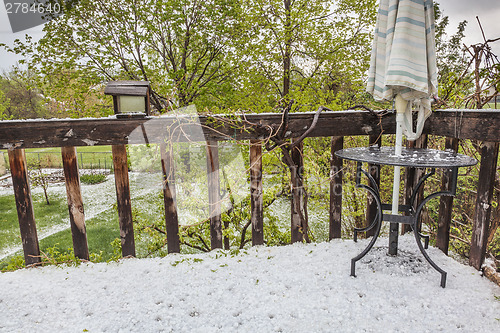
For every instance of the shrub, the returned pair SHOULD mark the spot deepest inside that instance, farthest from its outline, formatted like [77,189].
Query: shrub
[93,178]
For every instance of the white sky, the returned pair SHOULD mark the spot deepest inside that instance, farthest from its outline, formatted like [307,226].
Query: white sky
[458,10]
[489,15]
[7,60]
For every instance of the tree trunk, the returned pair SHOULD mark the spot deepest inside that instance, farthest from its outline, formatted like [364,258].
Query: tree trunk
[287,57]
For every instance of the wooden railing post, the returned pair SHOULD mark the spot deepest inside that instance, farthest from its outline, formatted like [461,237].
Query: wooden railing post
[445,205]
[123,200]
[374,170]
[412,177]
[486,181]
[336,175]
[214,199]
[3,171]
[256,193]
[297,232]
[24,204]
[75,202]
[169,193]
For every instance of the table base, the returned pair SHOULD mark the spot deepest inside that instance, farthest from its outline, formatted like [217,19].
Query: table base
[411,218]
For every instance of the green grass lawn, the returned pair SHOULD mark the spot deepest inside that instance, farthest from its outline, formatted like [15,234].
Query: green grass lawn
[102,229]
[89,157]
[45,216]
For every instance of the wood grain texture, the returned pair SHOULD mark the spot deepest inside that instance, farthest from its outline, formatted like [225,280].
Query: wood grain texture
[374,171]
[297,195]
[463,124]
[445,205]
[123,200]
[75,202]
[486,179]
[169,194]
[412,177]
[24,205]
[256,193]
[336,175]
[214,198]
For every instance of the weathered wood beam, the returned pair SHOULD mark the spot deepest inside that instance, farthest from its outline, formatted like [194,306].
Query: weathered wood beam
[214,199]
[256,193]
[123,200]
[483,125]
[298,232]
[24,204]
[412,177]
[112,131]
[169,193]
[463,124]
[336,175]
[445,204]
[374,170]
[75,202]
[486,180]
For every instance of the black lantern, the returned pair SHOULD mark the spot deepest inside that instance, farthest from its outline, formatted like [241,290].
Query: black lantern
[130,98]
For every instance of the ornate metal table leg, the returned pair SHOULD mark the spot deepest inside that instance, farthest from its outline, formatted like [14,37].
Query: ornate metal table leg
[418,235]
[374,188]
[426,239]
[413,203]
[377,222]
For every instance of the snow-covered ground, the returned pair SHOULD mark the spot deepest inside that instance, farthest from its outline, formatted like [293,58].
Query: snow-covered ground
[296,288]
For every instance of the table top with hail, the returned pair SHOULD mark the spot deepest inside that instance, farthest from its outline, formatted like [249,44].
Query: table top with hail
[410,157]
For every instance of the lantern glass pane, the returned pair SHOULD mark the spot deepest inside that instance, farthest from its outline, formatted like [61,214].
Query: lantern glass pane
[131,104]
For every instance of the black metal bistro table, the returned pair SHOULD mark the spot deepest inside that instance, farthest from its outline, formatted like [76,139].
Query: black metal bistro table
[413,158]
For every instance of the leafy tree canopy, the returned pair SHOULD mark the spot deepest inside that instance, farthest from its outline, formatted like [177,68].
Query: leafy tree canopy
[215,53]
[19,96]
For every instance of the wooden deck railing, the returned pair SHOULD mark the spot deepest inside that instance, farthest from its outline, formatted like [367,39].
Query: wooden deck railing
[257,128]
